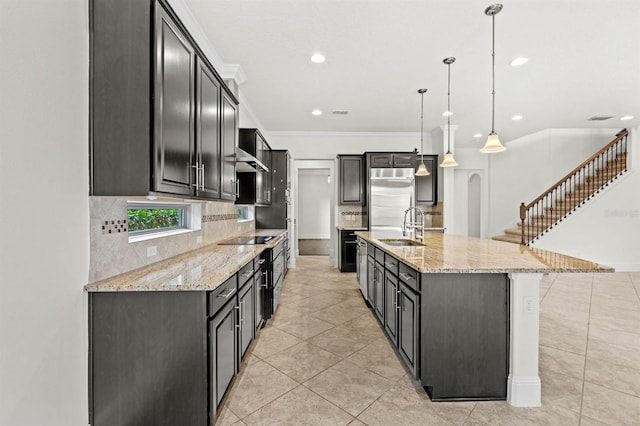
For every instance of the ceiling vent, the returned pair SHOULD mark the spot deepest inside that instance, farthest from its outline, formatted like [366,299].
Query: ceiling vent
[340,112]
[600,117]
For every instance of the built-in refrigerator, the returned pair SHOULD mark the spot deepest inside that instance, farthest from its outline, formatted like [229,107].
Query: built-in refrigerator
[392,192]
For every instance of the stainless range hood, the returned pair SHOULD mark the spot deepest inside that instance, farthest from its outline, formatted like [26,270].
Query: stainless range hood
[246,162]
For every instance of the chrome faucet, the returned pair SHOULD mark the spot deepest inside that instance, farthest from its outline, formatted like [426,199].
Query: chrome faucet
[414,225]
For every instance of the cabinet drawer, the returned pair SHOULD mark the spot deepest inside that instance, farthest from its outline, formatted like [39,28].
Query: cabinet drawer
[245,273]
[379,256]
[217,298]
[409,276]
[371,250]
[348,235]
[391,264]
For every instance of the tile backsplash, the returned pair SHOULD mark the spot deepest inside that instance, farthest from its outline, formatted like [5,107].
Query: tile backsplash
[112,253]
[354,216]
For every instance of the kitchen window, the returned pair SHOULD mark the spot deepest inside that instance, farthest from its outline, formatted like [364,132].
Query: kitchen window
[152,220]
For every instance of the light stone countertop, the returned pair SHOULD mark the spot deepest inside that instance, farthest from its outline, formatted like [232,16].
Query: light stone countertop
[351,228]
[198,270]
[445,253]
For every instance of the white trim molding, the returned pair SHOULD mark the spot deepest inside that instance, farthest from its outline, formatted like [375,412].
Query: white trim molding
[523,383]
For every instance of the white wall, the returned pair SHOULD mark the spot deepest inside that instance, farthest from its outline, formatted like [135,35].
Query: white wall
[326,145]
[314,197]
[533,163]
[44,248]
[606,229]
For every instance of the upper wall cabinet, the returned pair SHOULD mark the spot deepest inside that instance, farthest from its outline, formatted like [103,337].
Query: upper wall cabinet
[255,185]
[391,159]
[162,120]
[351,180]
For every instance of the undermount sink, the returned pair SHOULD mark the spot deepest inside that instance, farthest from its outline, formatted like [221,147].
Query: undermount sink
[401,242]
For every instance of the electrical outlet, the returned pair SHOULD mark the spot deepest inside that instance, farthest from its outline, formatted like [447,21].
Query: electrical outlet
[529,305]
[152,251]
[199,239]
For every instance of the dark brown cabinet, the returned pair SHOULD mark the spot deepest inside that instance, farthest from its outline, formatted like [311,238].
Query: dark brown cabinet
[246,315]
[391,159]
[391,295]
[427,186]
[255,187]
[208,161]
[348,251]
[409,327]
[162,121]
[352,182]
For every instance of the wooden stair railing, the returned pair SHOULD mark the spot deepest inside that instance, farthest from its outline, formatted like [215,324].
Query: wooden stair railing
[574,189]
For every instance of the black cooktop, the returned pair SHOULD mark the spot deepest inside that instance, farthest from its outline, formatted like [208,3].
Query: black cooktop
[244,241]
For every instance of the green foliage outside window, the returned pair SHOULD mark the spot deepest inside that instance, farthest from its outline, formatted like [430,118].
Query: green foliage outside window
[153,219]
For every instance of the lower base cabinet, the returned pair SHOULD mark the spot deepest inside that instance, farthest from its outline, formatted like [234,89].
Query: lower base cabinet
[168,357]
[222,347]
[391,291]
[409,327]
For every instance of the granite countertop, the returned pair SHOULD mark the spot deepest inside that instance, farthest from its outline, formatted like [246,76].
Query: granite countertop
[445,253]
[198,270]
[352,228]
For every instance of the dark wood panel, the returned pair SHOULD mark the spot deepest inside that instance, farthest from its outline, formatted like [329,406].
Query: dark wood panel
[351,180]
[148,358]
[390,306]
[427,186]
[208,130]
[229,136]
[274,216]
[409,328]
[121,124]
[464,336]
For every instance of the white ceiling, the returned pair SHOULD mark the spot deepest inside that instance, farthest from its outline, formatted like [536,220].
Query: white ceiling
[584,60]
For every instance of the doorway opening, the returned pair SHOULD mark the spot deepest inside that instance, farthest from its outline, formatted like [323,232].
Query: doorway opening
[314,212]
[474,206]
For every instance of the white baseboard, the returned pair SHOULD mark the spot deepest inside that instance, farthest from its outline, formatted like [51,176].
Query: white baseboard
[524,391]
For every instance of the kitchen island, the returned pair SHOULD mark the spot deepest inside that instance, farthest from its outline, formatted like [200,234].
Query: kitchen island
[463,313]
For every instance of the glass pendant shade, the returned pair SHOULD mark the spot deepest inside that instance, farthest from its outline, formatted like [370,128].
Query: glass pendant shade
[422,170]
[493,144]
[448,161]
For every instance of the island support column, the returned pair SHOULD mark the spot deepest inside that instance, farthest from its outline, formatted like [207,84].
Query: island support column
[523,383]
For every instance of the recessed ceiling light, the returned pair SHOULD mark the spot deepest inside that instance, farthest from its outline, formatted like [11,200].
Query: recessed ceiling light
[477,135]
[447,114]
[317,58]
[316,112]
[626,117]
[518,61]
[517,117]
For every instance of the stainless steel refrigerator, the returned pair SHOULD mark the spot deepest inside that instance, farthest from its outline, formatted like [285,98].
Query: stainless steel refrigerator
[391,194]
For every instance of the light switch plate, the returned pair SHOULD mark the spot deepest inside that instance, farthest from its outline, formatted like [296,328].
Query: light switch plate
[152,251]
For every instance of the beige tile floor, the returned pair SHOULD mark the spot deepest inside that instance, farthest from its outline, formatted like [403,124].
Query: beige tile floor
[323,359]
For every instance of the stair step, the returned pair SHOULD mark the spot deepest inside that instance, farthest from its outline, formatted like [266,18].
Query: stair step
[507,239]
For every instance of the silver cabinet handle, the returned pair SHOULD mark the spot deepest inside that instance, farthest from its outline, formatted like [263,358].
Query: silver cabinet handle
[398,299]
[242,312]
[237,181]
[197,184]
[406,276]
[230,291]
[202,171]
[238,324]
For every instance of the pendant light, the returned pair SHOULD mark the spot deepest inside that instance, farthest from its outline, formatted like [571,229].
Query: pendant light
[449,161]
[422,169]
[493,142]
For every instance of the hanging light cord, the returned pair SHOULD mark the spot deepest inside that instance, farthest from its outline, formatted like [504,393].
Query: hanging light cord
[493,74]
[421,126]
[449,107]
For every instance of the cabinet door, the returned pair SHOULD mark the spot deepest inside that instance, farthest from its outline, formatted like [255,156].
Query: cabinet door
[405,160]
[223,349]
[391,306]
[246,311]
[379,291]
[371,281]
[351,188]
[174,103]
[409,327]
[380,160]
[427,186]
[259,287]
[207,132]
[228,145]
[268,176]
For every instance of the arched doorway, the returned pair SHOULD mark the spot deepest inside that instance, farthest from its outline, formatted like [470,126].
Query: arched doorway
[474,205]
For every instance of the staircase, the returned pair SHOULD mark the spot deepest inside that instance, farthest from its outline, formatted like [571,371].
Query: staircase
[569,193]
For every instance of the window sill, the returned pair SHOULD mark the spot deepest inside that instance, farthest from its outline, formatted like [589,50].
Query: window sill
[153,235]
